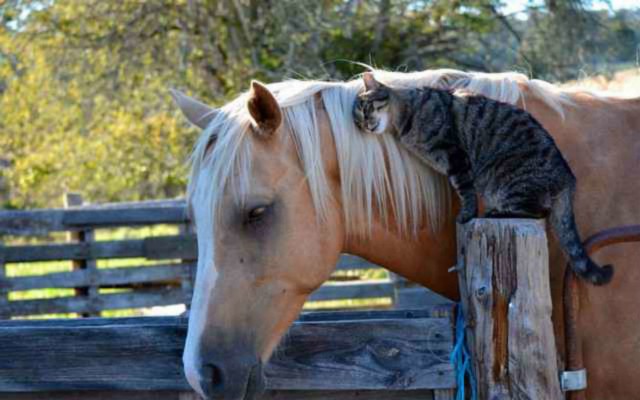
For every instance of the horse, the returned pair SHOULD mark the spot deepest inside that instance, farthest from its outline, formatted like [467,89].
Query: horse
[282,184]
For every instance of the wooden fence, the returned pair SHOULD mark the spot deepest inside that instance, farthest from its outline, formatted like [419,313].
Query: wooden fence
[390,355]
[169,280]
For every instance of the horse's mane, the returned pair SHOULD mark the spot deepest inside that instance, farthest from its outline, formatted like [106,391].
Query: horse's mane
[376,174]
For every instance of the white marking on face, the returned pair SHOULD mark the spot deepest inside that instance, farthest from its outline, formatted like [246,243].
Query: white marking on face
[383,121]
[207,276]
[197,324]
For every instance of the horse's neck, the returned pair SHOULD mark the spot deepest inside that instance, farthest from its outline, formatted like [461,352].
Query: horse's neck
[424,260]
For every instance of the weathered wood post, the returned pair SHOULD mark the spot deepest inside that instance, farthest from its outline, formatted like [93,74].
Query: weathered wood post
[503,267]
[188,278]
[86,235]
[4,292]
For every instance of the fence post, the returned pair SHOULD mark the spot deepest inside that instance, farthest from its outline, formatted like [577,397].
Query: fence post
[400,287]
[4,291]
[410,295]
[503,269]
[85,235]
[188,279]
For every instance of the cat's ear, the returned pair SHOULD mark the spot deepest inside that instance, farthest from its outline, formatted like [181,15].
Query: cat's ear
[264,109]
[370,82]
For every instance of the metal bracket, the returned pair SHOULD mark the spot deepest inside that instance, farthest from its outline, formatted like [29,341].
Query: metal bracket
[455,268]
[573,380]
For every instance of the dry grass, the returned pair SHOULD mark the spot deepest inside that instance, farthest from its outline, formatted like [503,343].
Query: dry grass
[625,83]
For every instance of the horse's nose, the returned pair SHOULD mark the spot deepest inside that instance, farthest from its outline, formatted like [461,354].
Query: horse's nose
[211,381]
[243,381]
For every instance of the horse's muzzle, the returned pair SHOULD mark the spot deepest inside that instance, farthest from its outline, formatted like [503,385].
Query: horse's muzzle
[232,379]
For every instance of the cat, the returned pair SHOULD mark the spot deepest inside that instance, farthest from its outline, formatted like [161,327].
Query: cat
[483,146]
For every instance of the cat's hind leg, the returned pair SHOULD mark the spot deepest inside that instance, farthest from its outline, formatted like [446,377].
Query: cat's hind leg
[526,201]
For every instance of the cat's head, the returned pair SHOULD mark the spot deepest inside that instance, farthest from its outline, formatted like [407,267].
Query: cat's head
[372,108]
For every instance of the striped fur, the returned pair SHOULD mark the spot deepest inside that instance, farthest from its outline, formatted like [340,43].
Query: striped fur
[487,147]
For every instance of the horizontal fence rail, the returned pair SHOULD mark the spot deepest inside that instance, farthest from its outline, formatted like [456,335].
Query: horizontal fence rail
[168,281]
[42,222]
[360,351]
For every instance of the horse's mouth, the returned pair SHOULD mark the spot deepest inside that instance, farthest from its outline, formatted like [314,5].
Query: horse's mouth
[255,383]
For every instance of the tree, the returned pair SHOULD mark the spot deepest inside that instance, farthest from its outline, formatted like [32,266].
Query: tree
[84,102]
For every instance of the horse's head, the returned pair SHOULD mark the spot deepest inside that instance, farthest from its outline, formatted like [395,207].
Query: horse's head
[262,246]
[282,183]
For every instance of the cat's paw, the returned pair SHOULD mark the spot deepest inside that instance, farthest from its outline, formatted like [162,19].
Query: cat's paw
[465,216]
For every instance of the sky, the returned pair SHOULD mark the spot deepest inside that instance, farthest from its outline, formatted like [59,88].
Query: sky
[514,6]
[625,4]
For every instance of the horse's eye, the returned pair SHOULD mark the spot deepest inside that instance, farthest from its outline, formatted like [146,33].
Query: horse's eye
[256,213]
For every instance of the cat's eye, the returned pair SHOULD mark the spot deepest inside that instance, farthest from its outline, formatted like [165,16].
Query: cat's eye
[379,104]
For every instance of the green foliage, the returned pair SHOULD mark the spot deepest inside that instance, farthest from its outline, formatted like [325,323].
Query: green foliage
[84,104]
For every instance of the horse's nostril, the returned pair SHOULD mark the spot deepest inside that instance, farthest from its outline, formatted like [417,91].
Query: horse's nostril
[216,377]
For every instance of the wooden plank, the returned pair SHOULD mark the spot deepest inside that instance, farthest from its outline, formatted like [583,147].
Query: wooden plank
[351,262]
[103,276]
[188,277]
[158,247]
[4,292]
[111,301]
[353,290]
[416,297]
[107,277]
[101,395]
[42,222]
[435,311]
[398,356]
[440,311]
[348,395]
[504,286]
[89,266]
[269,395]
[146,355]
[444,394]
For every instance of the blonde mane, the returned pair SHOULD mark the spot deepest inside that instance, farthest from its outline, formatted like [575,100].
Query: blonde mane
[376,173]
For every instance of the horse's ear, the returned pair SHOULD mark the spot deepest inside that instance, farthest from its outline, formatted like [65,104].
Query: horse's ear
[370,82]
[196,112]
[264,109]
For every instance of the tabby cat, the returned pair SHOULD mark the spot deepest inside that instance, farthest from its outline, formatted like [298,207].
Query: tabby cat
[487,147]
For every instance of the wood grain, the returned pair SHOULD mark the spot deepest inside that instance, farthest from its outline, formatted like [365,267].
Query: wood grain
[353,290]
[4,292]
[444,394]
[41,222]
[504,283]
[153,248]
[145,354]
[111,301]
[269,395]
[104,277]
[89,267]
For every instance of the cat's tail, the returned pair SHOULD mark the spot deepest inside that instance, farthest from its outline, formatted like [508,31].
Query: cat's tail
[564,224]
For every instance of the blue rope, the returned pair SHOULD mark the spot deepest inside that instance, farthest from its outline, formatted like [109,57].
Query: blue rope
[461,359]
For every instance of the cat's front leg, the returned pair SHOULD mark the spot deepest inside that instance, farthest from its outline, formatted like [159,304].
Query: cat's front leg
[461,178]
[468,200]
